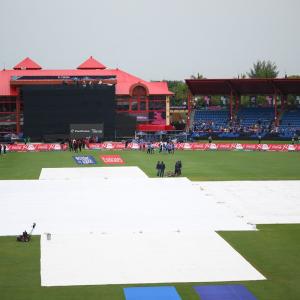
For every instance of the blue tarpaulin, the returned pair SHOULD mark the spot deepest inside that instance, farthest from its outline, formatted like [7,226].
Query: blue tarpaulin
[151,293]
[224,292]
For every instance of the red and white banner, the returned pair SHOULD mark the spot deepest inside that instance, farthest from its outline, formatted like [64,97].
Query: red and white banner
[112,159]
[133,146]
[106,146]
[94,146]
[203,147]
[178,146]
[113,145]
[35,147]
[297,147]
[226,147]
[249,147]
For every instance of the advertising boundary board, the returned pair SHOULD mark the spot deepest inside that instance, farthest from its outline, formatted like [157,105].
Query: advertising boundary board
[200,147]
[178,146]
[36,147]
[114,159]
[84,160]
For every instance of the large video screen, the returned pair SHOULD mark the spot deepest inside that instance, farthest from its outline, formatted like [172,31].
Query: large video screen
[49,110]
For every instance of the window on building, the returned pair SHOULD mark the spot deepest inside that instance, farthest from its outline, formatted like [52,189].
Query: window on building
[8,118]
[7,107]
[139,91]
[143,105]
[123,105]
[139,99]
[157,97]
[7,128]
[134,104]
[157,105]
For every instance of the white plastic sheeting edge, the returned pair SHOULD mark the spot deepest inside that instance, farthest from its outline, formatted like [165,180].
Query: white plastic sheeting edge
[91,259]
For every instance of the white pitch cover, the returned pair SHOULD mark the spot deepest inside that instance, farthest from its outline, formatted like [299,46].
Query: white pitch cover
[115,225]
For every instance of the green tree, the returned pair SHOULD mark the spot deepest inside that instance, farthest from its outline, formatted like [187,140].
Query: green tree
[263,69]
[241,76]
[198,76]
[293,77]
[180,90]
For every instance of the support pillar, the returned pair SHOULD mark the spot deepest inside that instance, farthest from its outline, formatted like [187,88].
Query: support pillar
[168,110]
[188,123]
[283,100]
[237,102]
[275,108]
[231,95]
[18,112]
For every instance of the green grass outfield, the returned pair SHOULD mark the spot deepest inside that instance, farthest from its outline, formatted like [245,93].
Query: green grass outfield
[197,165]
[273,250]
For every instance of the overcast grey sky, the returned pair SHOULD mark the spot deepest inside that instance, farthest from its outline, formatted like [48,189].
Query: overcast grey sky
[155,39]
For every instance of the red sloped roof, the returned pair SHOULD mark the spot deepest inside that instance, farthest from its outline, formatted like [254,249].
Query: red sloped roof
[124,80]
[91,64]
[159,88]
[27,64]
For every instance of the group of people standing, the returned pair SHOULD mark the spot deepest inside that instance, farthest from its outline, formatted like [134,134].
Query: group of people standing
[160,168]
[2,148]
[166,147]
[76,145]
[150,148]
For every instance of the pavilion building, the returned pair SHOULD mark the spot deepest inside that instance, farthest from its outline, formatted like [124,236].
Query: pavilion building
[147,102]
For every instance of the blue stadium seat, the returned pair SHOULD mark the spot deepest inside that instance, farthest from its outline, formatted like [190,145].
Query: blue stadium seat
[214,119]
[251,116]
[289,123]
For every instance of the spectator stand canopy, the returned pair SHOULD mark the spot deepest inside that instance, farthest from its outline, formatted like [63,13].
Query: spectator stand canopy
[235,88]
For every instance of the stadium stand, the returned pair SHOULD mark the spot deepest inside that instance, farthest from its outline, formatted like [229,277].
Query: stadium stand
[214,120]
[250,122]
[259,119]
[289,123]
[252,116]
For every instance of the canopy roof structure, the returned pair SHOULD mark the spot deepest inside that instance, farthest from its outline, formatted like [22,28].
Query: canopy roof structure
[267,86]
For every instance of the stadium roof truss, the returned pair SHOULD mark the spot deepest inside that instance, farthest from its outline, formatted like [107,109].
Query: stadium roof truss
[243,86]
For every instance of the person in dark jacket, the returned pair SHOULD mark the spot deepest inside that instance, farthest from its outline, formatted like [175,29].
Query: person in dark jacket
[259,139]
[210,139]
[179,167]
[158,168]
[176,169]
[162,169]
